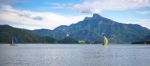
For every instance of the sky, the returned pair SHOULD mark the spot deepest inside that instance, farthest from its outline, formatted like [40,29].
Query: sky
[49,14]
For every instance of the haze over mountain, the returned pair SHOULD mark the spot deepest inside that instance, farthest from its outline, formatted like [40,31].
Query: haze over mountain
[93,29]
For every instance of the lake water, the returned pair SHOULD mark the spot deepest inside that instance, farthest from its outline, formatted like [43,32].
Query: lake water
[74,55]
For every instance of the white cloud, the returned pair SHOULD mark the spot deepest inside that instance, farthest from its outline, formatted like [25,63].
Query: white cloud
[4,2]
[34,20]
[144,12]
[96,6]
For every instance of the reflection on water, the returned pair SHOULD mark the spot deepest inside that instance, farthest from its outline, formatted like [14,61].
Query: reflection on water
[74,55]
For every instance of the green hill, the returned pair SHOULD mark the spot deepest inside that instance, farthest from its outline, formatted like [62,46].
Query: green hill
[25,36]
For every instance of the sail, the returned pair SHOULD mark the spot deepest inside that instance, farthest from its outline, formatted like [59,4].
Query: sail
[15,40]
[105,41]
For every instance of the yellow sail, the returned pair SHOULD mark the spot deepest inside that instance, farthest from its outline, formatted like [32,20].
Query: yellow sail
[105,41]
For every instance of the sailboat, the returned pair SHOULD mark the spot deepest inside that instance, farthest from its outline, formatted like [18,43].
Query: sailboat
[105,43]
[14,40]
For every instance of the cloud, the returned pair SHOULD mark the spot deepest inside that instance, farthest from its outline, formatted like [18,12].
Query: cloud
[20,13]
[8,2]
[37,18]
[96,6]
[34,20]
[144,12]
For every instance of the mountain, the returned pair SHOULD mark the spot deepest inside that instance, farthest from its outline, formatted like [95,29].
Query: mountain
[92,29]
[146,40]
[25,36]
[42,32]
[68,40]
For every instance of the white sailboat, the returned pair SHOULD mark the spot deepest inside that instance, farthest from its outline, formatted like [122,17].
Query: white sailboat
[12,42]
